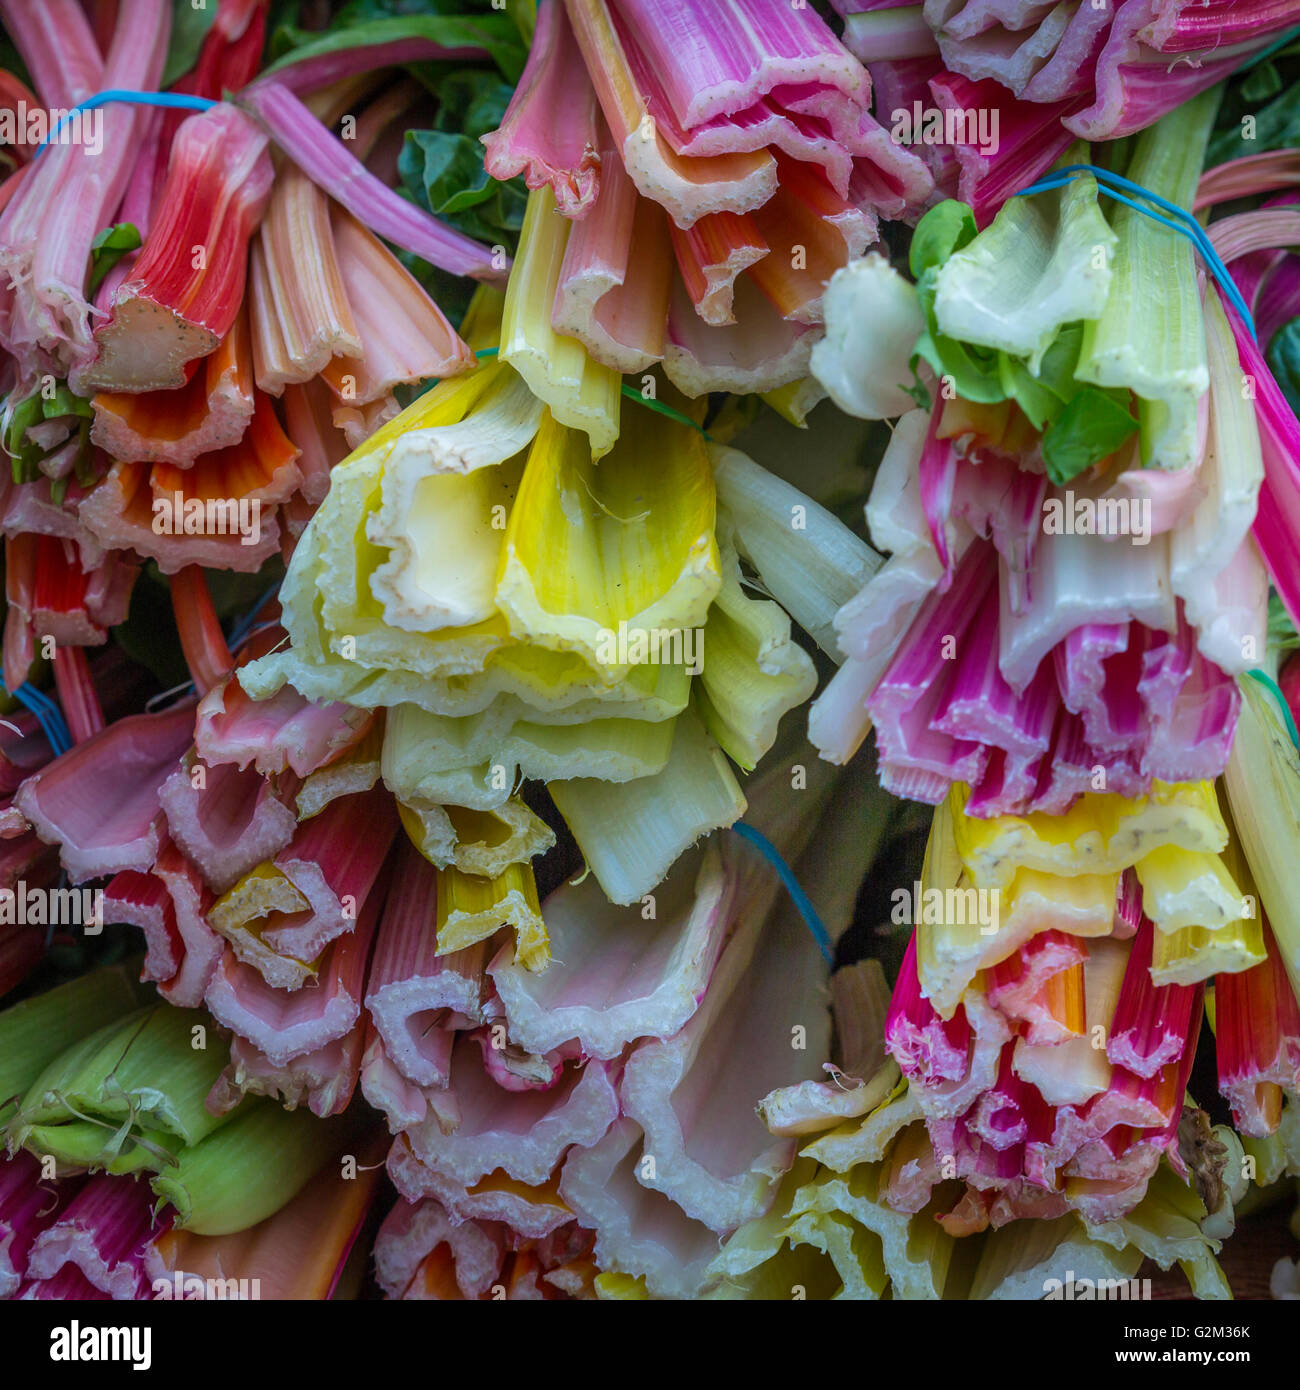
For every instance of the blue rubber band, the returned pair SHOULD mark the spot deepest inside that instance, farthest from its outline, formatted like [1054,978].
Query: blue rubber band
[1186,223]
[48,711]
[48,715]
[1179,220]
[245,625]
[786,874]
[43,718]
[122,96]
[238,634]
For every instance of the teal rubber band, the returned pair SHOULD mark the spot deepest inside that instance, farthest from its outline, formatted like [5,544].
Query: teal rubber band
[792,886]
[1270,684]
[1276,46]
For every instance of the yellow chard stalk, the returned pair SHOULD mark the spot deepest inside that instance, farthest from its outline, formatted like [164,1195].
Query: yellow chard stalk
[445,493]
[627,542]
[1181,889]
[1263,782]
[754,672]
[631,832]
[426,755]
[579,391]
[476,842]
[470,909]
[1101,833]
[1027,1259]
[1196,953]
[1199,952]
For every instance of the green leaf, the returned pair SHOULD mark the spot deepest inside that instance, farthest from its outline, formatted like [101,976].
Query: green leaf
[1090,428]
[108,247]
[11,61]
[1284,361]
[362,11]
[451,293]
[1056,371]
[946,228]
[1274,118]
[286,33]
[1038,401]
[22,417]
[149,636]
[281,26]
[62,401]
[233,594]
[471,102]
[444,174]
[1281,630]
[24,455]
[191,21]
[495,33]
[1043,397]
[973,371]
[444,171]
[1261,83]
[85,469]
[524,14]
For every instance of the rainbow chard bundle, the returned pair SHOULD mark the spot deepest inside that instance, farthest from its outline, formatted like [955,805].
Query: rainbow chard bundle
[198,315]
[1061,653]
[1079,499]
[521,612]
[587,1169]
[711,169]
[1012,85]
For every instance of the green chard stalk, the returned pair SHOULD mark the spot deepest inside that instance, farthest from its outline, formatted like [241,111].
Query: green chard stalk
[1150,337]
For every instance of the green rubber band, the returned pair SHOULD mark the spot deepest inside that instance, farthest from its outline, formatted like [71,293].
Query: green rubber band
[1267,53]
[1269,683]
[634,395]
